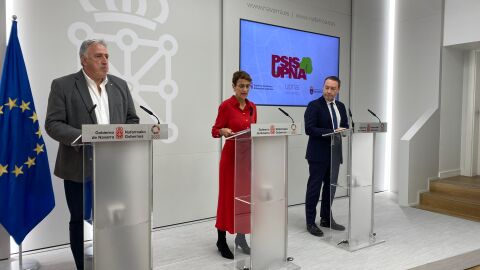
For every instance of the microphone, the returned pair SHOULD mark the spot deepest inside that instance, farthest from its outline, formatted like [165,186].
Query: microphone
[150,112]
[91,109]
[351,118]
[372,113]
[284,112]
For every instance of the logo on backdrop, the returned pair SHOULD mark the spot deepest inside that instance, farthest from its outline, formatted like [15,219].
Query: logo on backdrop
[133,28]
[291,67]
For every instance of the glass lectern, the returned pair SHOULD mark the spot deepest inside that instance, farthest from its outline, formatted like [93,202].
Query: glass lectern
[260,196]
[118,194]
[356,213]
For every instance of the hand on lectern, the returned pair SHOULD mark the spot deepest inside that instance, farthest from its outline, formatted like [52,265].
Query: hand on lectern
[226,132]
[340,129]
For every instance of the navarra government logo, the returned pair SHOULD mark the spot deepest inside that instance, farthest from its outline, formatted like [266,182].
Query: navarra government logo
[119,133]
[291,67]
[134,28]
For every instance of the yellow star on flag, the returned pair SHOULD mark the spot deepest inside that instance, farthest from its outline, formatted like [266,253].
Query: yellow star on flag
[3,169]
[11,103]
[1,109]
[39,148]
[34,117]
[17,171]
[24,106]
[30,162]
[39,133]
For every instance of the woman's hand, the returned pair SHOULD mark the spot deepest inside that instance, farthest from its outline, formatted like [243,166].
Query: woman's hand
[226,132]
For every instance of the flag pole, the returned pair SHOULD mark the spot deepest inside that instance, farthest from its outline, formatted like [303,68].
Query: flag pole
[22,264]
[20,257]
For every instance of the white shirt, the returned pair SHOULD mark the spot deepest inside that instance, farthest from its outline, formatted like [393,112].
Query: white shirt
[339,119]
[99,98]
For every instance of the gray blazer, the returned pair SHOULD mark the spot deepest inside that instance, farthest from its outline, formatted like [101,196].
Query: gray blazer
[70,106]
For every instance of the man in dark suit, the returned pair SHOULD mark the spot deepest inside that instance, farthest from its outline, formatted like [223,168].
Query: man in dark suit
[323,115]
[90,96]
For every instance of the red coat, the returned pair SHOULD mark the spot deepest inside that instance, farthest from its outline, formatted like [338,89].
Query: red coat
[231,116]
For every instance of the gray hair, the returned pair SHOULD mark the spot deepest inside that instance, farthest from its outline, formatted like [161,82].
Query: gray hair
[87,43]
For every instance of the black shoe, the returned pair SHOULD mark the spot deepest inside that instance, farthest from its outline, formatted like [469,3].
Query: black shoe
[224,250]
[314,230]
[334,226]
[242,242]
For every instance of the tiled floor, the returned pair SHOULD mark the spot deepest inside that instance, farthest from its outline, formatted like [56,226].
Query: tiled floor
[414,239]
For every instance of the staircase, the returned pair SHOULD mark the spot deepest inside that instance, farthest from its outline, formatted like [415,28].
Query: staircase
[456,196]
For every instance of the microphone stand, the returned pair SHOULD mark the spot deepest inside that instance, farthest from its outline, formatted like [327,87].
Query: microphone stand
[150,113]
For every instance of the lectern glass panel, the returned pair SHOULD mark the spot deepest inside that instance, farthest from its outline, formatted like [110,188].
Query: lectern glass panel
[355,210]
[242,195]
[87,203]
[269,217]
[361,190]
[261,202]
[338,186]
[120,219]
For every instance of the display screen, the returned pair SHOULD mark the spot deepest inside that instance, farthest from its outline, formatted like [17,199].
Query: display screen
[288,66]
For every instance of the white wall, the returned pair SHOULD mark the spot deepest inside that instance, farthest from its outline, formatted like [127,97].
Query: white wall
[457,133]
[451,112]
[186,171]
[184,87]
[185,59]
[416,70]
[418,157]
[461,22]
[261,11]
[369,72]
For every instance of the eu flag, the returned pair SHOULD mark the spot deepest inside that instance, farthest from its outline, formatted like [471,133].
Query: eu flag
[26,193]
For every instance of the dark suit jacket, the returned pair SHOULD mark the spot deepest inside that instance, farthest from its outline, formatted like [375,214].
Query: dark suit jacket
[318,122]
[70,106]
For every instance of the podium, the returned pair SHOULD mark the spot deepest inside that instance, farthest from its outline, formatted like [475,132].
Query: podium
[260,195]
[118,194]
[357,212]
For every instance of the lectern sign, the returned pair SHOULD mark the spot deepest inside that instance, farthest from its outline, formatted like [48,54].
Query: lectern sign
[374,127]
[123,132]
[276,129]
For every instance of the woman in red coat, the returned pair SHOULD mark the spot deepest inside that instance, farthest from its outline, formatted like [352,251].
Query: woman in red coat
[234,114]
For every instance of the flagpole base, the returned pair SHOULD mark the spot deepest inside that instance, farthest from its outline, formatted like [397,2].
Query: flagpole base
[27,264]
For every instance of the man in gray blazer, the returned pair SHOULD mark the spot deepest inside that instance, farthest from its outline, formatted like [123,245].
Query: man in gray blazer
[90,96]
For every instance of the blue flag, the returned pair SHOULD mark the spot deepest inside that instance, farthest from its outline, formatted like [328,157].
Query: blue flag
[26,193]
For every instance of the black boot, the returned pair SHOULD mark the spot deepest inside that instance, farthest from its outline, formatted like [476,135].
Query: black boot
[242,242]
[222,245]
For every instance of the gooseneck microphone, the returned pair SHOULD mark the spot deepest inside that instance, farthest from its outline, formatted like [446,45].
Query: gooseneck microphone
[150,112]
[92,109]
[372,113]
[351,119]
[284,112]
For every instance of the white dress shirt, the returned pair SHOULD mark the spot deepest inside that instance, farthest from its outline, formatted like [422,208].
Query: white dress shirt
[339,119]
[99,98]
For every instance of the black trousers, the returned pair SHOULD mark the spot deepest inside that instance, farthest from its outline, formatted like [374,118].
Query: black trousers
[74,196]
[320,176]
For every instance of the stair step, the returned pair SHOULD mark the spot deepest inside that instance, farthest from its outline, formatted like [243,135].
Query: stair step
[452,205]
[456,188]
